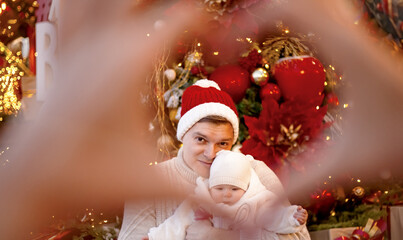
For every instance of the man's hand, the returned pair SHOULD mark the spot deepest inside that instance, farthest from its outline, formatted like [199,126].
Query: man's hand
[301,215]
[203,230]
[199,230]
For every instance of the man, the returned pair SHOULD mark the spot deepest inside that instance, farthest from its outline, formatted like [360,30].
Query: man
[208,124]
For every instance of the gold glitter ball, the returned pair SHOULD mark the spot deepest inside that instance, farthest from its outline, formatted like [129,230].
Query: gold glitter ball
[359,191]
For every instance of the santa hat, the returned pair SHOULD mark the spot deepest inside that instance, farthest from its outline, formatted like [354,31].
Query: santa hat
[230,168]
[202,99]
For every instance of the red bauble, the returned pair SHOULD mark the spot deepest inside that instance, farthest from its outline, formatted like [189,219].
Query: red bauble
[232,79]
[301,78]
[270,90]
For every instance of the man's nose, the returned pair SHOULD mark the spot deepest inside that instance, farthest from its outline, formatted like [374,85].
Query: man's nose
[210,151]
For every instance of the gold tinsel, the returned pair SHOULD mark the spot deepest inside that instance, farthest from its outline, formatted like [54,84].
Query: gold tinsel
[218,6]
[278,47]
[165,116]
[159,84]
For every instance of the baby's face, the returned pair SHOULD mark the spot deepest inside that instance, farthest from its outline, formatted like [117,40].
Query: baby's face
[227,194]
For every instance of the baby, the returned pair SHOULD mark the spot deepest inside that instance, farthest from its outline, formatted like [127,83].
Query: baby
[233,194]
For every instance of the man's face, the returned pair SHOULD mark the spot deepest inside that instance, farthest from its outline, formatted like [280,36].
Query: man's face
[202,142]
[226,194]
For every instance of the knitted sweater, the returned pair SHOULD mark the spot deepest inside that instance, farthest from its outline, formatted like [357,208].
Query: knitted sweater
[140,217]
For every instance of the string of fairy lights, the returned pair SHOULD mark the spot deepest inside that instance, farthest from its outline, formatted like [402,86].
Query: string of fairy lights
[88,220]
[14,15]
[10,77]
[17,11]
[5,161]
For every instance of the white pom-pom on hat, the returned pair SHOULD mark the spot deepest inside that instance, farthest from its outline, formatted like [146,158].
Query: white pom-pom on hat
[206,83]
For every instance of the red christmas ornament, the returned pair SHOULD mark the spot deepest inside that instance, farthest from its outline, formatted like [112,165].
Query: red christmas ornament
[232,79]
[270,90]
[300,78]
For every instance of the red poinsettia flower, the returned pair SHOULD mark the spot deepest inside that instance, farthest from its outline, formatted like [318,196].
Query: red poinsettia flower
[281,130]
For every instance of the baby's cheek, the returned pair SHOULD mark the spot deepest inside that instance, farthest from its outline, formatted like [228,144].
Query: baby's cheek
[215,196]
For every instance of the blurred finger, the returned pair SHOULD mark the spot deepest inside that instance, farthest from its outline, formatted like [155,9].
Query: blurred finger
[90,142]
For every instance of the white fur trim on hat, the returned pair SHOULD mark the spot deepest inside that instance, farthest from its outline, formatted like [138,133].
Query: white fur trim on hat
[198,112]
[205,83]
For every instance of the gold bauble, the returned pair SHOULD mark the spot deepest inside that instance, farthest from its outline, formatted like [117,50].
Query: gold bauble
[172,115]
[260,76]
[359,191]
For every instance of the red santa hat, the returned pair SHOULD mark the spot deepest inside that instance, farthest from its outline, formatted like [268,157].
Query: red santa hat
[202,99]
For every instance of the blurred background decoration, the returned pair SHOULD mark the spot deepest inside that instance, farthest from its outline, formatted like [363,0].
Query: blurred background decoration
[383,19]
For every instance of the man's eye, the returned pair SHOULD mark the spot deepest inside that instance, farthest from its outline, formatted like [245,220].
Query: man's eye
[200,139]
[224,144]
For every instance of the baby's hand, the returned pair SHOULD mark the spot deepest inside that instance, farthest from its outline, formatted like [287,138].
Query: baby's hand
[201,214]
[301,215]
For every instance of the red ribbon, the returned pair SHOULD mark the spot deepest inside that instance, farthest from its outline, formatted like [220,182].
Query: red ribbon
[359,234]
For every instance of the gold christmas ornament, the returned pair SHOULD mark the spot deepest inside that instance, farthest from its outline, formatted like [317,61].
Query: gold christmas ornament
[193,58]
[172,115]
[260,76]
[359,191]
[218,6]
